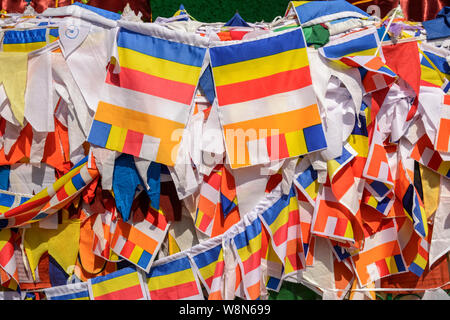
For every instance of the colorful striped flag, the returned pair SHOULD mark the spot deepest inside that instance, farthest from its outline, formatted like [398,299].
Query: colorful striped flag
[435,69]
[412,204]
[51,199]
[282,221]
[306,180]
[261,86]
[155,85]
[7,257]
[443,134]
[415,249]
[381,256]
[382,205]
[71,291]
[139,241]
[208,200]
[123,284]
[377,165]
[342,179]
[315,12]
[272,266]
[362,43]
[306,210]
[9,200]
[424,153]
[208,260]
[24,40]
[173,278]
[217,206]
[248,247]
[332,219]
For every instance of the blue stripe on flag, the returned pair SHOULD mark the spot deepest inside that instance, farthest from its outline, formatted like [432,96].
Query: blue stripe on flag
[170,267]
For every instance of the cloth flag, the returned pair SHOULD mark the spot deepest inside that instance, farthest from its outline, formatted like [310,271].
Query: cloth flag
[381,256]
[148,101]
[72,291]
[123,284]
[306,180]
[139,241]
[412,203]
[52,198]
[282,221]
[424,153]
[443,135]
[261,86]
[173,278]
[24,40]
[209,263]
[248,247]
[7,257]
[433,65]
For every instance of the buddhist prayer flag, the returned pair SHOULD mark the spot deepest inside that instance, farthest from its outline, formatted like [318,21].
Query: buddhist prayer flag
[443,134]
[381,256]
[173,278]
[208,260]
[315,12]
[52,198]
[139,242]
[24,40]
[145,107]
[248,247]
[7,257]
[434,66]
[72,291]
[424,153]
[267,105]
[282,221]
[124,284]
[306,180]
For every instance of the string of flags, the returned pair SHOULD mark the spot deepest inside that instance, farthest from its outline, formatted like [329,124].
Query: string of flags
[187,160]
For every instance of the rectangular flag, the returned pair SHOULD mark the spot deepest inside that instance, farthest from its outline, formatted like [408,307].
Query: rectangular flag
[306,180]
[207,258]
[381,256]
[248,248]
[433,65]
[424,153]
[443,135]
[7,257]
[145,107]
[173,278]
[123,284]
[24,40]
[139,242]
[267,106]
[71,291]
[306,210]
[282,221]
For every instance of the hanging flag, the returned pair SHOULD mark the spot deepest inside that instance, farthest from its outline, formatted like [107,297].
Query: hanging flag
[7,257]
[139,241]
[173,278]
[228,198]
[270,260]
[306,215]
[123,284]
[52,198]
[315,12]
[282,221]
[433,65]
[424,153]
[208,260]
[443,135]
[261,86]
[24,40]
[381,256]
[71,291]
[247,245]
[383,206]
[208,200]
[155,85]
[9,200]
[305,180]
[412,204]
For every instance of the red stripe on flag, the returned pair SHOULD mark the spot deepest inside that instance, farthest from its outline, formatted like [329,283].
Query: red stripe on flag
[127,249]
[382,267]
[130,293]
[180,291]
[133,143]
[341,226]
[253,262]
[263,87]
[280,149]
[152,85]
